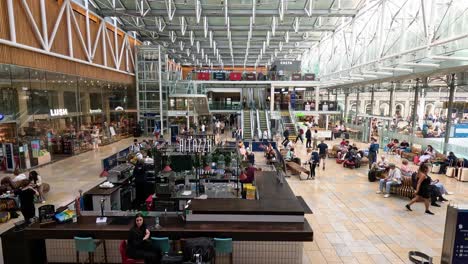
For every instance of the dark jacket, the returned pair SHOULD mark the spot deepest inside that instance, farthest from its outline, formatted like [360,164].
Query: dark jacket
[136,242]
[308,134]
[286,133]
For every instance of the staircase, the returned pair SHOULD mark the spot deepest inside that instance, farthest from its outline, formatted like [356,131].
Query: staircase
[247,126]
[286,118]
[263,121]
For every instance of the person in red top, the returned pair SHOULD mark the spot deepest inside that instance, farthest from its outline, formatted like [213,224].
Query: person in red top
[343,142]
[250,174]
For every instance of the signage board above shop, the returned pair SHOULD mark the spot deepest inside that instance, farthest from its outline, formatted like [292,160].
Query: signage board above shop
[95,111]
[287,65]
[58,112]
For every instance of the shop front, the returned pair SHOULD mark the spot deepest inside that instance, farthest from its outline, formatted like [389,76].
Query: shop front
[48,116]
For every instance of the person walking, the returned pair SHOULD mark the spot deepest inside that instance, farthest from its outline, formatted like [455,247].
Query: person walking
[373,150]
[314,139]
[299,136]
[313,162]
[285,135]
[308,136]
[323,149]
[422,189]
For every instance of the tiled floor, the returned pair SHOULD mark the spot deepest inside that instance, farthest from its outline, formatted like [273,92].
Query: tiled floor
[351,223]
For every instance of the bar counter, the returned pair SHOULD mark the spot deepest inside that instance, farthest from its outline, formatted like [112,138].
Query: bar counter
[253,240]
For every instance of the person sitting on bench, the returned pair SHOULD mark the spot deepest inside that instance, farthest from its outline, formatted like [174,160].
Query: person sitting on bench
[291,156]
[393,178]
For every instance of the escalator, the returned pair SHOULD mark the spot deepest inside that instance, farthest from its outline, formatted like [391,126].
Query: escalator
[286,118]
[263,122]
[247,125]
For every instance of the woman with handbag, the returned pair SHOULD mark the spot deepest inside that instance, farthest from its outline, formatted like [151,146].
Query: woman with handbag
[313,162]
[422,189]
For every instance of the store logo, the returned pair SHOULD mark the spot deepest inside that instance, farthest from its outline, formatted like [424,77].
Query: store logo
[95,111]
[58,112]
[1,117]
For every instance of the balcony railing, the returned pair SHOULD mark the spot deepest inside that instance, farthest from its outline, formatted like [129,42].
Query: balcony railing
[225,106]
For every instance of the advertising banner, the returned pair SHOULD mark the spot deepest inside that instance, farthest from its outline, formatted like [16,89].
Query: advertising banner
[35,147]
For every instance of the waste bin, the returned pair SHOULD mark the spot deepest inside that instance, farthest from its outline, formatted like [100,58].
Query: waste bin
[419,258]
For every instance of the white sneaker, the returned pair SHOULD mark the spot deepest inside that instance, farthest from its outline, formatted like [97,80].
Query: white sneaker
[378,192]
[386,195]
[449,193]
[43,202]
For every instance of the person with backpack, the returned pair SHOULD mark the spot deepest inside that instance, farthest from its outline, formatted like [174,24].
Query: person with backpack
[301,132]
[308,136]
[373,150]
[313,162]
[135,147]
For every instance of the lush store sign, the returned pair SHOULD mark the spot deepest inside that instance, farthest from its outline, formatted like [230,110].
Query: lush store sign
[58,112]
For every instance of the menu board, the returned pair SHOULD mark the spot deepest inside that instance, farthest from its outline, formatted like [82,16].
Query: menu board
[460,248]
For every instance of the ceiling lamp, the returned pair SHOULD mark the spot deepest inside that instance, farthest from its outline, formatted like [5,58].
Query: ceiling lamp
[192,38]
[198,11]
[183,25]
[281,10]
[296,25]
[253,10]
[273,26]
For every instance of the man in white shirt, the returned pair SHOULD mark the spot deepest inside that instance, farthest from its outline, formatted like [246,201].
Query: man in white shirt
[203,128]
[393,178]
[135,147]
[314,139]
[218,127]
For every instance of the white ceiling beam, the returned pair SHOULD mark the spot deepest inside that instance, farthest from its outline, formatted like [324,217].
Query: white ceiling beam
[419,64]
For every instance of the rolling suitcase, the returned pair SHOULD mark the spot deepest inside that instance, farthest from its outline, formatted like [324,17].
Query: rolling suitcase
[450,172]
[462,174]
[435,168]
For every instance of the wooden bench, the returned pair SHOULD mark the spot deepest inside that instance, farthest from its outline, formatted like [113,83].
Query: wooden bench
[296,168]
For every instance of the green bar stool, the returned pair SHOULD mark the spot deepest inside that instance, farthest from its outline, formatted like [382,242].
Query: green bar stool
[89,245]
[161,243]
[223,246]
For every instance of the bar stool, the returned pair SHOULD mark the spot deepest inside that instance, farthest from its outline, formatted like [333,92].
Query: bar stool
[223,246]
[161,243]
[89,245]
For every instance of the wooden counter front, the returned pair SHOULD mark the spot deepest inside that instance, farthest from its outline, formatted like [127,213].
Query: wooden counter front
[174,228]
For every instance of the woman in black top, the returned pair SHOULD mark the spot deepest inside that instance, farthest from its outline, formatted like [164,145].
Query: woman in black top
[139,244]
[423,192]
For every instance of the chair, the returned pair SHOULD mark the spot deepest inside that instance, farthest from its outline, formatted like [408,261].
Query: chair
[223,246]
[161,243]
[89,245]
[125,258]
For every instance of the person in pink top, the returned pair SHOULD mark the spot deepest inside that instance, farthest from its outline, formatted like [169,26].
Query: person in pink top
[405,169]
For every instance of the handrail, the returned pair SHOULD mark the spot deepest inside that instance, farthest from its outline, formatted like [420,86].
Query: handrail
[252,124]
[242,124]
[268,124]
[259,130]
[292,117]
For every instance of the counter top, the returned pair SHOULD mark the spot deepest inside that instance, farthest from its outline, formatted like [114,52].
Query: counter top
[274,199]
[174,228]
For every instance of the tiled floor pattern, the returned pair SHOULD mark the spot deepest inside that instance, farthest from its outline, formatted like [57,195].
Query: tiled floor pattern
[353,224]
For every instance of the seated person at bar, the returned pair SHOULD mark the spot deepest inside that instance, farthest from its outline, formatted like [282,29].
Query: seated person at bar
[139,243]
[19,176]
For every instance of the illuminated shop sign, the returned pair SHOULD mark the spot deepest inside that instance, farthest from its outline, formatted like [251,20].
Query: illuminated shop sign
[1,117]
[58,112]
[95,111]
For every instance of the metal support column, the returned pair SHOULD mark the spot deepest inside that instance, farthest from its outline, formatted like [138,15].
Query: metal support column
[317,94]
[415,107]
[390,109]
[272,98]
[345,115]
[160,92]
[357,107]
[448,122]
[372,100]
